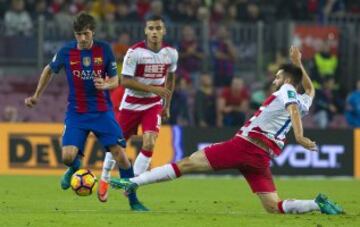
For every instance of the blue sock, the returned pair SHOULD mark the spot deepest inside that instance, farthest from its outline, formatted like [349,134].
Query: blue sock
[129,173]
[75,165]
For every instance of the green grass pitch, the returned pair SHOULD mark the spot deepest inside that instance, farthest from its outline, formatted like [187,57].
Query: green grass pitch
[39,201]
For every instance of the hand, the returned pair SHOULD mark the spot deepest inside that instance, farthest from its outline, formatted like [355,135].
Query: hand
[295,55]
[31,101]
[308,144]
[161,91]
[165,114]
[100,83]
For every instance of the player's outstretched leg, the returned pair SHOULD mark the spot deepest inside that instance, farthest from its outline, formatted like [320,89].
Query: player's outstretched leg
[108,165]
[74,165]
[197,162]
[273,204]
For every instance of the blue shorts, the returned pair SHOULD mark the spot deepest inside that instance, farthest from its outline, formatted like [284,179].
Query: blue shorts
[102,124]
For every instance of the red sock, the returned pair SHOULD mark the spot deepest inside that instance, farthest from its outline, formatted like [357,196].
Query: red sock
[146,153]
[280,207]
[176,170]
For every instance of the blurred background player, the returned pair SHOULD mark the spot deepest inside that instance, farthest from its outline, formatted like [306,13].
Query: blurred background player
[149,78]
[91,71]
[251,149]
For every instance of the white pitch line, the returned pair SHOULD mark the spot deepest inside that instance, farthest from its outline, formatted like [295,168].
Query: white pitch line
[161,212]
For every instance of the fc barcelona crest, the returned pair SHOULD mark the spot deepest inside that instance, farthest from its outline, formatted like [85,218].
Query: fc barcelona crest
[86,61]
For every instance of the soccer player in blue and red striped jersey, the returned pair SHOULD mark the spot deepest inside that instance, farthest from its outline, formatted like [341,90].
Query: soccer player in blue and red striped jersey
[91,72]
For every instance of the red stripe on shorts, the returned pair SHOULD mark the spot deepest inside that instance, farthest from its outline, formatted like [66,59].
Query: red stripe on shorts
[144,101]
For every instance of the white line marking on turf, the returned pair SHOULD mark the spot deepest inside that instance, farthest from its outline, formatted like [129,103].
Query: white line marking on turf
[191,212]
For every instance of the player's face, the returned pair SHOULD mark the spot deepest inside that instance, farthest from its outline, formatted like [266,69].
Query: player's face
[84,38]
[155,31]
[279,79]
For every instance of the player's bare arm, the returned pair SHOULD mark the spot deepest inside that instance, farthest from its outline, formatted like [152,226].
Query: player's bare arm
[295,56]
[44,80]
[106,84]
[298,129]
[170,85]
[133,84]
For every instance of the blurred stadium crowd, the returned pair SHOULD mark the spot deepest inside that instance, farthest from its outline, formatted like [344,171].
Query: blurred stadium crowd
[211,90]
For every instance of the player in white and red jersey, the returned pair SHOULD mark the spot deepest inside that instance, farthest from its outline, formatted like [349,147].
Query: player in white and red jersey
[251,149]
[149,78]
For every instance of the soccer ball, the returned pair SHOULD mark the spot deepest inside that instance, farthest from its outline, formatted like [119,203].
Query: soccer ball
[83,182]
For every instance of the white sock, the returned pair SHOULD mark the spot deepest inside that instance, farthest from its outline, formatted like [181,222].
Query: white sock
[108,165]
[162,173]
[299,206]
[141,164]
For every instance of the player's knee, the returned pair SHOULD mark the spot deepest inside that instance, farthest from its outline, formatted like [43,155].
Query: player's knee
[120,157]
[68,159]
[149,140]
[116,153]
[68,154]
[148,145]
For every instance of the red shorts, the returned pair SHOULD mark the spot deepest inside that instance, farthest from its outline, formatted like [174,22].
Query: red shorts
[130,120]
[249,159]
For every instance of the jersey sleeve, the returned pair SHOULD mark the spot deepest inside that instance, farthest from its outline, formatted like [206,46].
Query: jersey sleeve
[174,59]
[288,95]
[129,64]
[57,61]
[305,102]
[111,66]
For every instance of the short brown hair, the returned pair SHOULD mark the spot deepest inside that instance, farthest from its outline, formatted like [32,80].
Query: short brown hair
[84,21]
[154,18]
[293,72]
